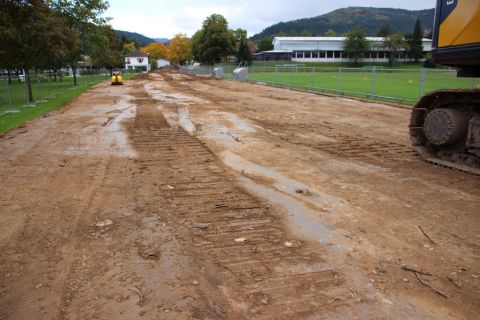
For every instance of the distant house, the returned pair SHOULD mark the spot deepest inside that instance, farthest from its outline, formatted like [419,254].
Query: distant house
[327,49]
[137,60]
[161,63]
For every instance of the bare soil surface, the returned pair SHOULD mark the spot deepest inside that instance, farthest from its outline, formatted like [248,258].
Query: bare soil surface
[181,197]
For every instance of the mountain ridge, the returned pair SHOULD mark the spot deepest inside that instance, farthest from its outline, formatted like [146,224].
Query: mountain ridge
[134,37]
[343,20]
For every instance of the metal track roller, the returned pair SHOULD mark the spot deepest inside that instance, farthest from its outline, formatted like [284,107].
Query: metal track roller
[445,127]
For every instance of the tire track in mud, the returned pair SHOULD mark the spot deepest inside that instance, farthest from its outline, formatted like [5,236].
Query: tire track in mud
[351,147]
[259,271]
[358,147]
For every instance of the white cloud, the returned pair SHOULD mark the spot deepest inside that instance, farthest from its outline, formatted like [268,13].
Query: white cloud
[155,18]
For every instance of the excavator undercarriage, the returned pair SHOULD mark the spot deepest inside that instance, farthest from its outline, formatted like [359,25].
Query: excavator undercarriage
[445,124]
[445,129]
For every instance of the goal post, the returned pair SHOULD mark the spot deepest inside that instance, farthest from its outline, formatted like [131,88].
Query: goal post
[286,68]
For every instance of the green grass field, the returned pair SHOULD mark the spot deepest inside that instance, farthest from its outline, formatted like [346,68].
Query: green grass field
[402,86]
[48,97]
[14,96]
[272,64]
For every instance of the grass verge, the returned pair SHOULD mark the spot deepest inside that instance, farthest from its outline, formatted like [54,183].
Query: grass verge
[15,119]
[12,120]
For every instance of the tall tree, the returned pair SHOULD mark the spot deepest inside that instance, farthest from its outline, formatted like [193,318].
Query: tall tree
[179,49]
[214,41]
[415,42]
[82,17]
[105,51]
[243,53]
[393,44]
[384,30]
[32,37]
[356,45]
[156,50]
[265,44]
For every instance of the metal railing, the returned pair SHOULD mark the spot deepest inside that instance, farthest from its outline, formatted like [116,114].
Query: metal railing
[45,85]
[402,86]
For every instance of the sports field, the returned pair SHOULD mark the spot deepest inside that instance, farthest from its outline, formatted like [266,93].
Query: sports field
[403,86]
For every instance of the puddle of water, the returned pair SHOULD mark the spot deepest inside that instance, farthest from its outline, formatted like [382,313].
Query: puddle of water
[365,168]
[216,132]
[303,218]
[157,93]
[282,183]
[108,139]
[184,120]
[237,122]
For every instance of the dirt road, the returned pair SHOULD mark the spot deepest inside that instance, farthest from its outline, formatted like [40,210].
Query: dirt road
[179,197]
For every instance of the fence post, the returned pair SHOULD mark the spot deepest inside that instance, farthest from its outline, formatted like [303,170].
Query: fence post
[312,73]
[422,80]
[26,87]
[339,87]
[373,82]
[9,95]
[49,88]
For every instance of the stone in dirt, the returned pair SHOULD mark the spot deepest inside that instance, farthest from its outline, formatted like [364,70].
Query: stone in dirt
[105,223]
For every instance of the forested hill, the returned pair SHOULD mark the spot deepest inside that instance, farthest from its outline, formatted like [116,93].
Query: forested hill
[138,38]
[343,20]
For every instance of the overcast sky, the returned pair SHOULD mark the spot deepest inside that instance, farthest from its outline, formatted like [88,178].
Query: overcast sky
[165,18]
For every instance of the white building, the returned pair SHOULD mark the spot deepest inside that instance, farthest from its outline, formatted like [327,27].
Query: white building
[137,60]
[328,49]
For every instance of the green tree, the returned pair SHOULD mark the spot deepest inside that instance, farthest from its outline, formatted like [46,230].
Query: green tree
[265,44]
[214,41]
[243,53]
[128,47]
[105,51]
[356,45]
[415,43]
[330,33]
[82,17]
[384,30]
[393,44]
[32,37]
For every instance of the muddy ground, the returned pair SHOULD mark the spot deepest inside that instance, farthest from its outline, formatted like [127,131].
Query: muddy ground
[180,197]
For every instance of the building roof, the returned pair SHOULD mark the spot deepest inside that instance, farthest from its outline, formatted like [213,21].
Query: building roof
[136,53]
[276,51]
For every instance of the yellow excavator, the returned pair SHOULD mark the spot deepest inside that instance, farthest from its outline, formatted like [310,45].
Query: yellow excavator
[445,124]
[117,79]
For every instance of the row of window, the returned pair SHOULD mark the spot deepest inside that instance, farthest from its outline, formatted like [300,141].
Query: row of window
[340,54]
[139,60]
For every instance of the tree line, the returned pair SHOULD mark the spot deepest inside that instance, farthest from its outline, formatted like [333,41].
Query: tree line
[356,44]
[50,35]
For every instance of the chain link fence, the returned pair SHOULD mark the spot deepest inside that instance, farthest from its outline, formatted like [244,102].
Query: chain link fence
[402,86]
[45,86]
